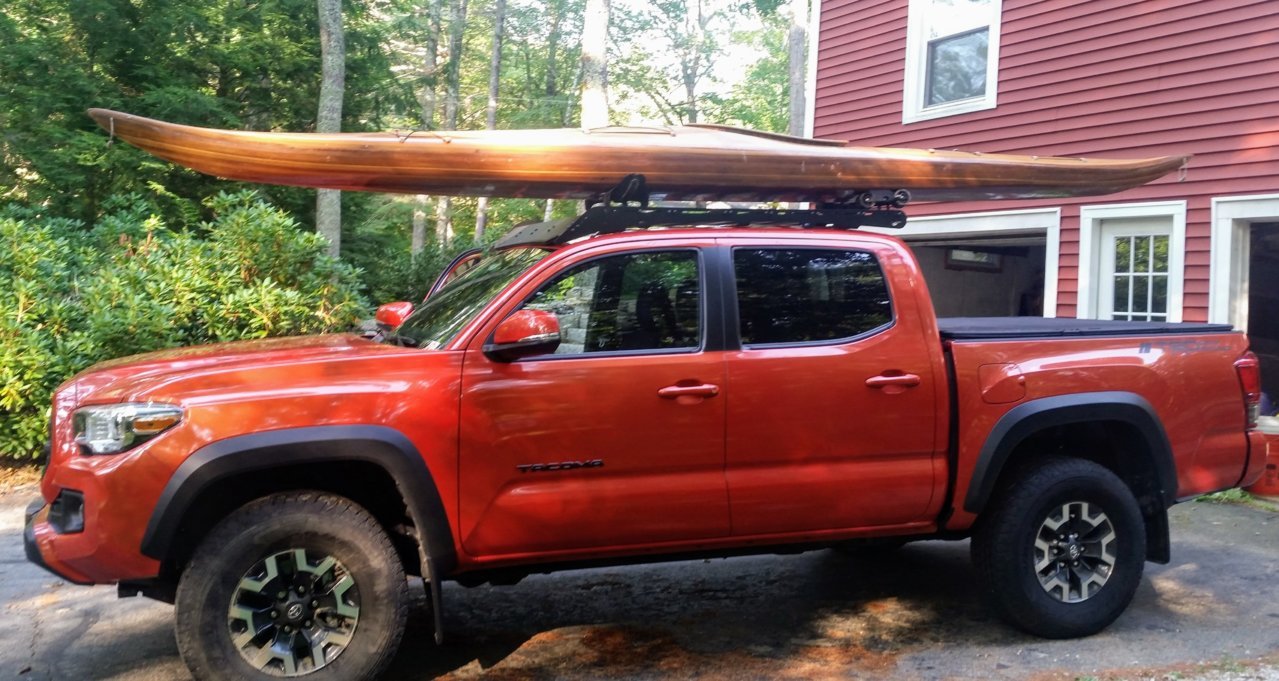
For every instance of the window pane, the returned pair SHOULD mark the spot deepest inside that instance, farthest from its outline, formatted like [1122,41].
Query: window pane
[800,295]
[1141,255]
[641,301]
[949,17]
[1123,254]
[1140,294]
[1121,294]
[1160,295]
[956,67]
[1161,254]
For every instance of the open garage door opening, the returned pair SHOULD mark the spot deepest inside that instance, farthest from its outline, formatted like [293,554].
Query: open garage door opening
[1263,303]
[984,277]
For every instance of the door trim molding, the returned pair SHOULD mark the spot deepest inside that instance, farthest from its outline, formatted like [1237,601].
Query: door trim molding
[1232,217]
[1090,223]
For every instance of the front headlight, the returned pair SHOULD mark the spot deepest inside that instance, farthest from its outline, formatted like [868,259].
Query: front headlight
[114,428]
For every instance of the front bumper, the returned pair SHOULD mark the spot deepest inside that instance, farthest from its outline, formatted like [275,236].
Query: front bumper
[37,512]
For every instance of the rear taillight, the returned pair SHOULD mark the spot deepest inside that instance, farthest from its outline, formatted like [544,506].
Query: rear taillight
[1249,370]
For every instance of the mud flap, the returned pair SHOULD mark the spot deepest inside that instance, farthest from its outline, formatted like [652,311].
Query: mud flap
[1158,543]
[435,592]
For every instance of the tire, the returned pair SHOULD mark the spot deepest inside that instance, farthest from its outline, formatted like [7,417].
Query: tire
[1020,531]
[346,589]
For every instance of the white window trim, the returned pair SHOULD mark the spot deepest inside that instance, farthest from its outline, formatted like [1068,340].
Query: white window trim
[913,110]
[1090,219]
[1028,221]
[810,78]
[1232,217]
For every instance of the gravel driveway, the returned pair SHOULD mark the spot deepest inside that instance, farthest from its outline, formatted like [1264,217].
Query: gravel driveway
[1212,614]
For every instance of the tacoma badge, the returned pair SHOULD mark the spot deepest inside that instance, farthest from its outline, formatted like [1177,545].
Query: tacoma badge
[559,466]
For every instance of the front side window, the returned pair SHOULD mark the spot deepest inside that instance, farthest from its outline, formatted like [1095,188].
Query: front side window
[808,295]
[631,302]
[951,59]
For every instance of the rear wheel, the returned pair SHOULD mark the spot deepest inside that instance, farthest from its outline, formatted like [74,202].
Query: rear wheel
[1061,551]
[299,584]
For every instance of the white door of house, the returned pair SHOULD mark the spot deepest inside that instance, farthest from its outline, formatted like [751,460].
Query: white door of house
[1134,269]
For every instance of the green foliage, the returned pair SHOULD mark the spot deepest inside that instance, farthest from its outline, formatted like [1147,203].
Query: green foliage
[70,297]
[379,245]
[760,101]
[105,250]
[1238,496]
[220,63]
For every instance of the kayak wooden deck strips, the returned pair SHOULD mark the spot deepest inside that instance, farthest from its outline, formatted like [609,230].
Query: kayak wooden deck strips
[694,162]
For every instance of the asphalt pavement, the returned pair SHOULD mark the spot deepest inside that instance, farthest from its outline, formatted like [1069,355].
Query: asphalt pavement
[1212,614]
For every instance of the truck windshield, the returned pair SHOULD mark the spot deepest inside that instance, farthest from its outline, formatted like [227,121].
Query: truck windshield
[444,314]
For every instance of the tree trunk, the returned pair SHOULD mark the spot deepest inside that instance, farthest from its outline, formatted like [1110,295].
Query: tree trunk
[444,220]
[427,99]
[595,64]
[328,202]
[495,63]
[421,203]
[452,77]
[431,65]
[552,52]
[452,74]
[490,118]
[797,41]
[690,101]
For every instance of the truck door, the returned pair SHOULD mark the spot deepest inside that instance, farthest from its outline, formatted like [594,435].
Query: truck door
[617,438]
[833,409]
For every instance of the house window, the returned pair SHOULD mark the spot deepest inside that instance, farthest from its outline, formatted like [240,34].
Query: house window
[1136,267]
[952,56]
[1132,261]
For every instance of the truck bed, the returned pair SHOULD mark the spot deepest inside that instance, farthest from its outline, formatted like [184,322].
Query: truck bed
[999,328]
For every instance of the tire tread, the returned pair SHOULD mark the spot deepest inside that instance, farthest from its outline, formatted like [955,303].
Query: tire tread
[251,516]
[1004,521]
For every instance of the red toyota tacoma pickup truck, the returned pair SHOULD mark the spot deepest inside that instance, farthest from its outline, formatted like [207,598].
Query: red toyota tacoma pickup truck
[564,402]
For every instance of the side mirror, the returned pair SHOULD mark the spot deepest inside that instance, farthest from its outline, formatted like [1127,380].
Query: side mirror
[524,334]
[392,315]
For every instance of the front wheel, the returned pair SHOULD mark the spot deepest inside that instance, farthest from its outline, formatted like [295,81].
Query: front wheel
[299,584]
[1061,551]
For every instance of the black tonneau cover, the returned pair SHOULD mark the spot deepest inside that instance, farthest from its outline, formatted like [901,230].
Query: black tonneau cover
[1000,328]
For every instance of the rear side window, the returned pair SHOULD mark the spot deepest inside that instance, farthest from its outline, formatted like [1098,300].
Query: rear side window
[808,295]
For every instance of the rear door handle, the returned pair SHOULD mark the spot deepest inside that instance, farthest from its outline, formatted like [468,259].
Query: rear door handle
[671,392]
[885,380]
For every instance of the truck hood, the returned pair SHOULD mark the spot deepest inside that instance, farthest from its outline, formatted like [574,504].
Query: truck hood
[138,376]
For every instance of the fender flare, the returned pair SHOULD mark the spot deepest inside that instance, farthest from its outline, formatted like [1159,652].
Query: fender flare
[380,445]
[1027,419]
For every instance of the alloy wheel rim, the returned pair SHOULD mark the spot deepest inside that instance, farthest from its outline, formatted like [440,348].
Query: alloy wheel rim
[1075,551]
[293,612]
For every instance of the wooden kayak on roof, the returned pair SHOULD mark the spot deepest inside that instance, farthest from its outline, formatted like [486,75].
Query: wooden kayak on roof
[705,162]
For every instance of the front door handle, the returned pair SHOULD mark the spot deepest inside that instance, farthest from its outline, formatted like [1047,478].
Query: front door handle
[671,392]
[886,380]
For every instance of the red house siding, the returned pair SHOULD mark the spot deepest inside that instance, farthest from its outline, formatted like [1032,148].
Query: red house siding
[1109,78]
